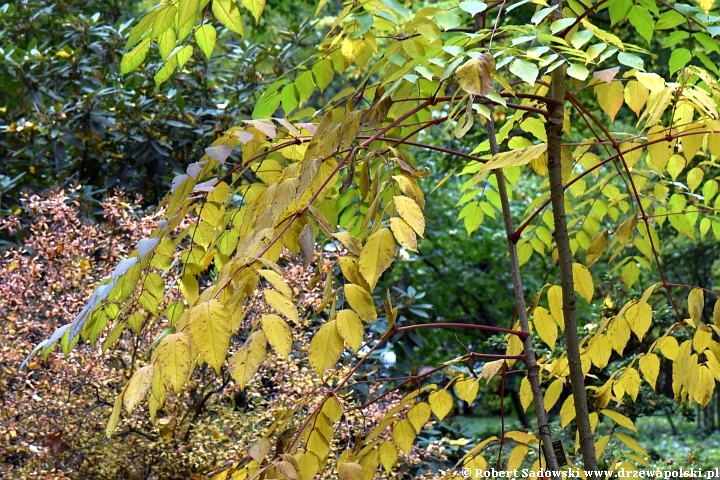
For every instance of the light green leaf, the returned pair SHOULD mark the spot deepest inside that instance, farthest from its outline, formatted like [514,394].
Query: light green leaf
[578,71]
[134,58]
[678,59]
[255,7]
[228,13]
[527,71]
[631,60]
[205,36]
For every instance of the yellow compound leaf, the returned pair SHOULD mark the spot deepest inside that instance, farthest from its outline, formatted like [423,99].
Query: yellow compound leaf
[631,382]
[639,316]
[555,302]
[636,94]
[583,282]
[553,394]
[704,387]
[526,395]
[517,455]
[282,304]
[137,387]
[174,359]
[418,415]
[515,158]
[246,361]
[377,255]
[361,301]
[404,234]
[545,326]
[567,411]
[411,213]
[350,471]
[278,334]
[650,368]
[209,329]
[351,328]
[476,75]
[404,435]
[696,303]
[610,97]
[388,456]
[620,419]
[467,389]
[441,403]
[325,347]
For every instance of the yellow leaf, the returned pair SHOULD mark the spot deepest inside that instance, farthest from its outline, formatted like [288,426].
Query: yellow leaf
[705,386]
[620,419]
[618,333]
[567,411]
[517,455]
[696,303]
[545,326]
[467,389]
[650,368]
[308,466]
[332,409]
[404,435]
[521,437]
[636,94]
[282,304]
[596,248]
[410,187]
[350,471]
[114,416]
[553,394]
[669,347]
[441,403]
[404,234]
[706,5]
[515,158]
[278,333]
[418,415]
[601,444]
[702,338]
[209,329]
[255,7]
[352,48]
[476,75]
[377,255]
[631,382]
[477,465]
[277,281]
[388,456]
[639,316]
[716,313]
[631,442]
[652,81]
[246,361]
[361,301]
[351,272]
[325,347]
[174,359]
[489,369]
[350,242]
[583,282]
[610,97]
[526,395]
[600,351]
[350,328]
[555,302]
[411,213]
[137,387]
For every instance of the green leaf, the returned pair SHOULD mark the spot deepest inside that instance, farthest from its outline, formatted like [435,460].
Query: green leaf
[678,59]
[527,71]
[163,20]
[133,59]
[255,7]
[642,20]
[228,13]
[187,12]
[619,10]
[578,71]
[473,7]
[631,60]
[165,72]
[166,43]
[323,73]
[397,7]
[184,55]
[205,36]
